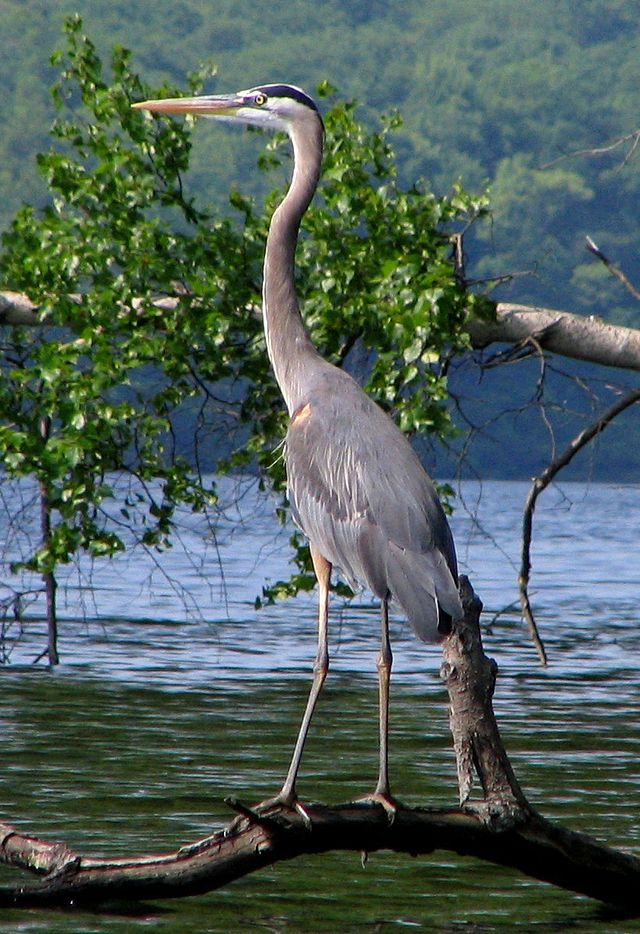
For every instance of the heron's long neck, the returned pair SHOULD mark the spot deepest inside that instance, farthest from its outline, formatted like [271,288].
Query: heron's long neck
[288,343]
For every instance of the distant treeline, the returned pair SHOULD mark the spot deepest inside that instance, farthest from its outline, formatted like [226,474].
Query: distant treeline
[502,95]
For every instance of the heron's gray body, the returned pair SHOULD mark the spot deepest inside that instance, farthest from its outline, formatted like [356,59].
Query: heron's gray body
[358,491]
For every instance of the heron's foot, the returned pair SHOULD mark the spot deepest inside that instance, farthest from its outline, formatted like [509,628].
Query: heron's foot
[286,799]
[385,800]
[261,813]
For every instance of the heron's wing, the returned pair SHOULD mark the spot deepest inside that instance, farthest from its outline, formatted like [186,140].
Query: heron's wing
[419,553]
[327,500]
[359,492]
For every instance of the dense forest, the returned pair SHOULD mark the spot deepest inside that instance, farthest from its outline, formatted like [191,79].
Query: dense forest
[505,96]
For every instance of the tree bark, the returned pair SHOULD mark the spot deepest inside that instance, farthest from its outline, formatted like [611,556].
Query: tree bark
[582,338]
[500,826]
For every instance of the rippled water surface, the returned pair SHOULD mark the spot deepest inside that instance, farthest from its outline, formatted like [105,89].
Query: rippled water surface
[174,692]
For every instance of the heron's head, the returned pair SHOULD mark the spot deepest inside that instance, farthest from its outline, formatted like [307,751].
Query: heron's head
[271,106]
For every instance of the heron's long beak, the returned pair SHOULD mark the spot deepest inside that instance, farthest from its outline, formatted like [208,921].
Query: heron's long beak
[223,105]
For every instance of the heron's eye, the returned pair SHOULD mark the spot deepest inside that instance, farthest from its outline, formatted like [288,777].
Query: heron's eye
[260,99]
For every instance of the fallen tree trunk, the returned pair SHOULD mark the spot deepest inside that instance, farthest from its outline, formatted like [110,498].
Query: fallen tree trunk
[500,826]
[577,336]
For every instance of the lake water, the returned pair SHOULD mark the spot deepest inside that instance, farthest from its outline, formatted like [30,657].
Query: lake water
[174,692]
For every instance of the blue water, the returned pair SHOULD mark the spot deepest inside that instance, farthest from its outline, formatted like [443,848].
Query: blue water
[174,691]
[196,601]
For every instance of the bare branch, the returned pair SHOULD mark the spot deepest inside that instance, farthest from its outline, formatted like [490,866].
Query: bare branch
[538,848]
[470,678]
[613,269]
[541,483]
[633,138]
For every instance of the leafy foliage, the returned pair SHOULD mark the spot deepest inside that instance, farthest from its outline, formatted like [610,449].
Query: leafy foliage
[108,369]
[111,379]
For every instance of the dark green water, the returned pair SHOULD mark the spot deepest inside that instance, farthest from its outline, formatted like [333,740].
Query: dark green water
[132,744]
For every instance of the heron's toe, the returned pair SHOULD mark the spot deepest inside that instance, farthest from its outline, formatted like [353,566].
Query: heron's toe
[288,800]
[385,800]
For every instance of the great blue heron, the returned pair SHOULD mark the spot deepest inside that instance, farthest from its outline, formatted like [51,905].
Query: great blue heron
[355,485]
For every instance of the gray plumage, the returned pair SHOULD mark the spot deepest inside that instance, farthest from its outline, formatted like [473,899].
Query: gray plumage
[360,494]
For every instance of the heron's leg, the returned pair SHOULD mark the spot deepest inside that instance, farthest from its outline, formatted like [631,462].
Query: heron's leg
[385,660]
[322,567]
[382,794]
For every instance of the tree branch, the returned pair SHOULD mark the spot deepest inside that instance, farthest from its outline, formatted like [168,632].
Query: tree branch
[538,848]
[613,269]
[570,335]
[562,332]
[17,308]
[539,484]
[501,827]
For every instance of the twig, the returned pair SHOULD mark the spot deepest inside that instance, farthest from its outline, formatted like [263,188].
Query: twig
[532,344]
[500,279]
[614,270]
[634,136]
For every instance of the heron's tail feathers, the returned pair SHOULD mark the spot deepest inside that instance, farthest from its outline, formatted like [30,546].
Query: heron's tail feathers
[425,589]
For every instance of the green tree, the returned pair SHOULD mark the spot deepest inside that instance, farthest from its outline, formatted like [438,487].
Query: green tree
[106,385]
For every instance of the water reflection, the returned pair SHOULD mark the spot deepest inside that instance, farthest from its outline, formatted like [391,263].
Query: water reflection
[155,716]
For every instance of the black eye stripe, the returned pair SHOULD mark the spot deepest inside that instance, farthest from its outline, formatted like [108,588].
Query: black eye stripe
[286,90]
